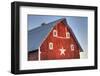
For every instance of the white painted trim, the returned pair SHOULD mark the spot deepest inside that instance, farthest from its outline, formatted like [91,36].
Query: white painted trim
[61,37]
[68,33]
[39,53]
[50,47]
[72,47]
[56,33]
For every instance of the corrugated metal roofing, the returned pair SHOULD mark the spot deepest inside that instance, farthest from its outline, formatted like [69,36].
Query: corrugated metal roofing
[37,35]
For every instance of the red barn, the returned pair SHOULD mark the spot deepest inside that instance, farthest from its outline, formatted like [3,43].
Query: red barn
[52,41]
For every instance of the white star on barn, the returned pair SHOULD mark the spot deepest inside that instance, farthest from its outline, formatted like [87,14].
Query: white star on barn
[62,51]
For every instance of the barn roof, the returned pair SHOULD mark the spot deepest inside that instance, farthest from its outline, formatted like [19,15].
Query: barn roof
[37,35]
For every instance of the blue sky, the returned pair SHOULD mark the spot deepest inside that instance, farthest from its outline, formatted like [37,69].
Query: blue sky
[79,25]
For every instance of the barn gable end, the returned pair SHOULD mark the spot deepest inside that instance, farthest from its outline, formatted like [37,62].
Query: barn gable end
[47,52]
[40,35]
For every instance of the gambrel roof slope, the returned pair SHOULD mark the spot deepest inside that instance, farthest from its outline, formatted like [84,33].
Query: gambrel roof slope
[37,35]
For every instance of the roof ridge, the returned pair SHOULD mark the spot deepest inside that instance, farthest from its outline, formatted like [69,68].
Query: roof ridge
[61,19]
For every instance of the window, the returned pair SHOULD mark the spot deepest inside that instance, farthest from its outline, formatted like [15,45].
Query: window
[50,45]
[67,35]
[55,33]
[72,47]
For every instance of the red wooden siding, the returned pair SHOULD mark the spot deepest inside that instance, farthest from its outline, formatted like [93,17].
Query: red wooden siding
[59,42]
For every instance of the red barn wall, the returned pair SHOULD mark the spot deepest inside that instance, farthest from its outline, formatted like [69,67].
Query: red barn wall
[58,43]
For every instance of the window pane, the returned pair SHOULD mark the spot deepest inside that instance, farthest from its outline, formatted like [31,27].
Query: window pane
[50,45]
[67,35]
[72,47]
[54,33]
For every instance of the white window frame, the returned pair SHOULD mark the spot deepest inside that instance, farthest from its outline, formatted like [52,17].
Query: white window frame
[67,35]
[51,46]
[72,47]
[55,31]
